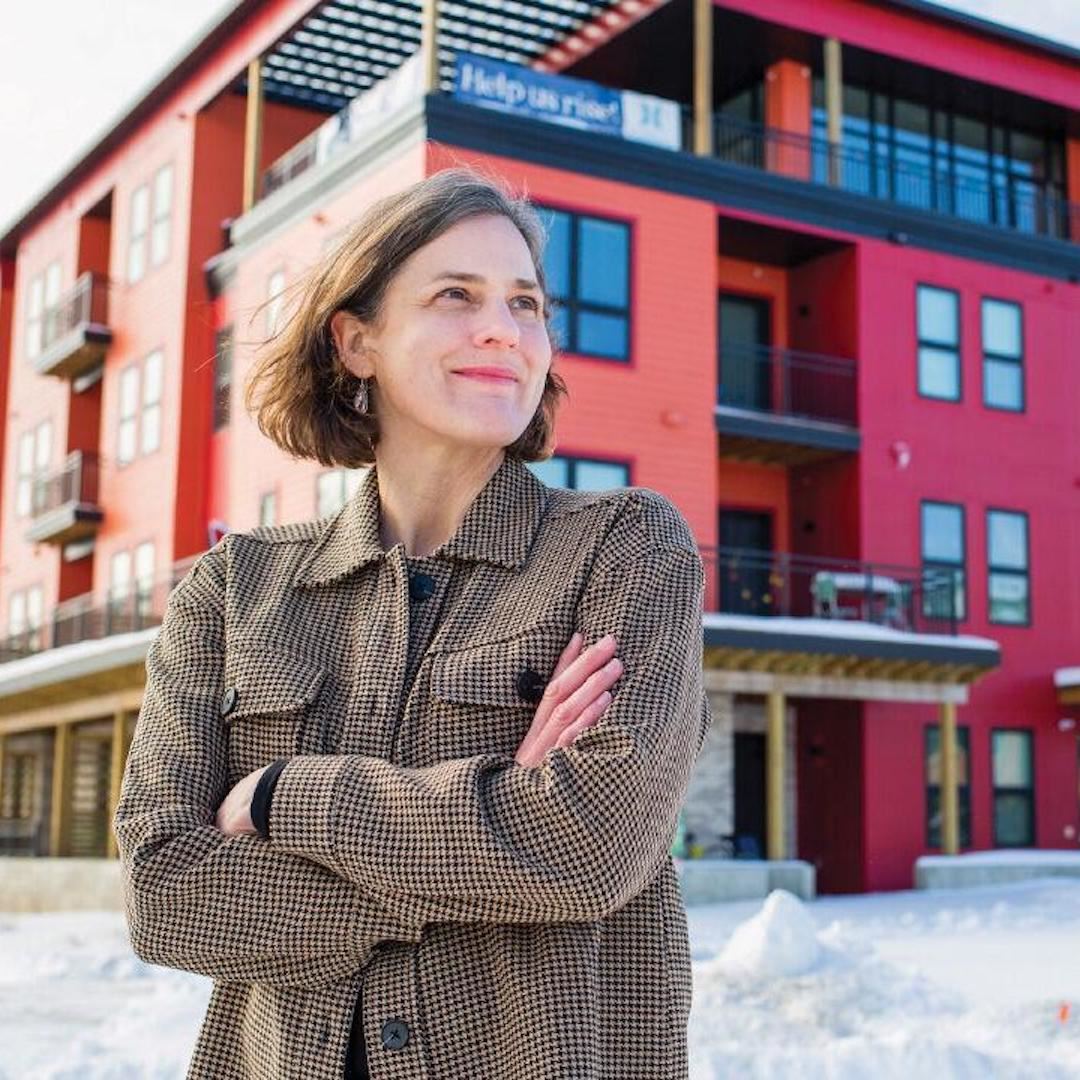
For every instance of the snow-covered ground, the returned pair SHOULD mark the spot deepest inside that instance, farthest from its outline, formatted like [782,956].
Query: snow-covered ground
[964,984]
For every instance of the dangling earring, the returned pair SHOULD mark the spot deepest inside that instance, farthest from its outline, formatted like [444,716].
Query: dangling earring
[360,402]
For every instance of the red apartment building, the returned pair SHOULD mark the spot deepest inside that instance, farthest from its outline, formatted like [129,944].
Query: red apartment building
[818,274]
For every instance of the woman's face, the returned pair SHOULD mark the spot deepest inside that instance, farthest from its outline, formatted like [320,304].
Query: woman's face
[467,300]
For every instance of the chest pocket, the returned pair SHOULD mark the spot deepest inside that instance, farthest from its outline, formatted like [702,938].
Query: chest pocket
[270,706]
[482,695]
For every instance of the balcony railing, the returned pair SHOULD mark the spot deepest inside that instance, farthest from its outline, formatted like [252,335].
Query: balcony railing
[786,382]
[746,581]
[1030,208]
[91,616]
[75,330]
[64,504]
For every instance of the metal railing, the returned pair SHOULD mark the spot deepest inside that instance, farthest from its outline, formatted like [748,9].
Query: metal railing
[90,617]
[1031,208]
[75,482]
[787,382]
[747,581]
[86,304]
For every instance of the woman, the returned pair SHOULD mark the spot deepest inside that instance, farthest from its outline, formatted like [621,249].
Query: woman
[390,786]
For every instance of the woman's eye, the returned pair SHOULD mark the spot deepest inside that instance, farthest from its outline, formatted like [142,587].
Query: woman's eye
[531,301]
[455,289]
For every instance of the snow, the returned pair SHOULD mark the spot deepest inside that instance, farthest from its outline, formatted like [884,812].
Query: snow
[843,628]
[951,984]
[79,658]
[1007,857]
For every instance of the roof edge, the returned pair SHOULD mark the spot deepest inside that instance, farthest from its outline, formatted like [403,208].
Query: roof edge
[163,83]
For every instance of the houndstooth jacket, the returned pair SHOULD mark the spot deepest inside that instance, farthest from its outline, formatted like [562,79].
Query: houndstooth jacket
[503,922]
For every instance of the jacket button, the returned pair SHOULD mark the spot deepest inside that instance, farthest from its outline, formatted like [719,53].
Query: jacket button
[530,685]
[421,586]
[228,701]
[395,1034]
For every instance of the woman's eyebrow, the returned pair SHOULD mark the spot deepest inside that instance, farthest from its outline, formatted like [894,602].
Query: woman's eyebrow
[461,275]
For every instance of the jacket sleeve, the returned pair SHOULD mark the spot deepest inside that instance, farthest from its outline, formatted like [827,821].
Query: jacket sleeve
[232,908]
[571,839]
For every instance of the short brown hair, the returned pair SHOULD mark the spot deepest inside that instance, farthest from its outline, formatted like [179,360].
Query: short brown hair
[300,392]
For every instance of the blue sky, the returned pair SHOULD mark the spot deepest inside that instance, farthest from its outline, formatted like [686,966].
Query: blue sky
[70,66]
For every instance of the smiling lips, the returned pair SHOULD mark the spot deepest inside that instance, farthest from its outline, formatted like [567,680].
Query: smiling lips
[488,374]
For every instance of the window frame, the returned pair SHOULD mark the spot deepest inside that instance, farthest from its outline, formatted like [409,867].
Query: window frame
[1011,789]
[148,406]
[138,235]
[1009,571]
[941,564]
[571,305]
[921,342]
[129,371]
[270,495]
[1000,358]
[963,739]
[161,218]
[573,460]
[221,403]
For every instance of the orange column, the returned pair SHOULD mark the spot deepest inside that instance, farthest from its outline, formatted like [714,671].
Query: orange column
[787,111]
[1072,189]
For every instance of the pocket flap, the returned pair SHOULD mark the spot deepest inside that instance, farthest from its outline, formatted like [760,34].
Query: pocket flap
[269,680]
[495,672]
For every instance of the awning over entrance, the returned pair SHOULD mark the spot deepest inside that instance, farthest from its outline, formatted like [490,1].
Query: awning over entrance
[812,657]
[1067,685]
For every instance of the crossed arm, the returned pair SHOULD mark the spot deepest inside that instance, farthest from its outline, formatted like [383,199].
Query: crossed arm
[379,849]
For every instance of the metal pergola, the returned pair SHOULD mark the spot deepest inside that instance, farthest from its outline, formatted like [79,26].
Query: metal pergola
[342,47]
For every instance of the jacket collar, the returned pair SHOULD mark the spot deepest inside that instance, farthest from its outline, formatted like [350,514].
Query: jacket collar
[498,527]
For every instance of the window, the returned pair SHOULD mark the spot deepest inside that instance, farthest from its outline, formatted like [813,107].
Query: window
[1003,355]
[334,488]
[938,323]
[943,560]
[26,619]
[587,265]
[162,218]
[268,508]
[33,462]
[275,288]
[144,579]
[151,403]
[1014,788]
[24,482]
[222,376]
[42,297]
[137,227]
[932,745]
[129,406]
[1008,584]
[19,785]
[584,474]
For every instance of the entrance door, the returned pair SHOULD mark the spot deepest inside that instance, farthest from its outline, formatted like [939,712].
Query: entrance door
[745,588]
[750,792]
[745,371]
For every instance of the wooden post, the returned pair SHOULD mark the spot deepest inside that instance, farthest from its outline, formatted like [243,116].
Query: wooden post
[834,105]
[116,771]
[429,44]
[61,793]
[774,775]
[253,134]
[703,77]
[950,776]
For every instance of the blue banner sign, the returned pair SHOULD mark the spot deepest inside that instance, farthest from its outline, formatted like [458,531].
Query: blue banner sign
[571,102]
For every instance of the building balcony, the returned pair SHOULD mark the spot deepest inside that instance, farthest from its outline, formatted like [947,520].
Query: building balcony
[1027,207]
[91,617]
[783,406]
[770,614]
[75,331]
[64,504]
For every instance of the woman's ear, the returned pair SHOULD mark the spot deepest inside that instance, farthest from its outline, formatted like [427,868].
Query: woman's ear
[348,332]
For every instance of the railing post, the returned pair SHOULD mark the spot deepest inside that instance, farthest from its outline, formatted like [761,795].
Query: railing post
[834,106]
[703,77]
[253,123]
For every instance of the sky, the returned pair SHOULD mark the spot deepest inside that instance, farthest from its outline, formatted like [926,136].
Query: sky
[71,66]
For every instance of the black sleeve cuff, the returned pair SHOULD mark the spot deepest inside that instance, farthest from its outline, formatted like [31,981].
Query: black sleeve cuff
[264,793]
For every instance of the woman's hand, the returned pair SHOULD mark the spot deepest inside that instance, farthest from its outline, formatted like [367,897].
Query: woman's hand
[234,814]
[574,699]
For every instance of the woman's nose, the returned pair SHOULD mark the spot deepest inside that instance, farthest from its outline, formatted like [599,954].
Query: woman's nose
[497,325]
